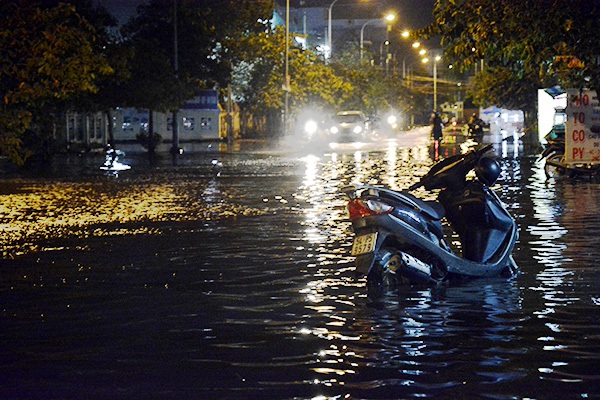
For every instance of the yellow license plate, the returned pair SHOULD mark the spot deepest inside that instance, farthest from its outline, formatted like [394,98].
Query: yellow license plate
[364,244]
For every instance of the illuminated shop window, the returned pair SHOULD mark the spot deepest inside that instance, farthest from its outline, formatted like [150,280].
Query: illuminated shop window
[188,124]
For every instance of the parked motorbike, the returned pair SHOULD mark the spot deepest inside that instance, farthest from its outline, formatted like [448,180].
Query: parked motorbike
[555,163]
[475,130]
[400,238]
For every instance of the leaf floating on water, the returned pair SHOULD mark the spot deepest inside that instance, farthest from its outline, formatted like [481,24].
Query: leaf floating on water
[32,211]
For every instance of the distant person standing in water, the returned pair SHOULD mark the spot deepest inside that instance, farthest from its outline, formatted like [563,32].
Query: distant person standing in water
[436,126]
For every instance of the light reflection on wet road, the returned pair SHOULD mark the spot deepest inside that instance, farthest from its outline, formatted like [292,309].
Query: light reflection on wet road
[171,282]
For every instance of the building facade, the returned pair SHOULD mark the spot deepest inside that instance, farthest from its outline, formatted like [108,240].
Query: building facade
[201,120]
[309,26]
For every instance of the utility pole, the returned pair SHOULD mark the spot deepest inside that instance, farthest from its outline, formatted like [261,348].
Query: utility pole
[174,115]
[286,84]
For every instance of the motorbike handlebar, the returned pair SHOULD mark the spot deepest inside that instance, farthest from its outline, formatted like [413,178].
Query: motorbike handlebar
[485,149]
[475,155]
[415,186]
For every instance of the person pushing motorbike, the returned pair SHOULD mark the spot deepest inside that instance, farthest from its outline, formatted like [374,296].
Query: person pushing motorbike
[475,126]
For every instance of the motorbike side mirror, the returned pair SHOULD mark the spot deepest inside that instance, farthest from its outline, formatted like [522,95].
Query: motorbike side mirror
[349,191]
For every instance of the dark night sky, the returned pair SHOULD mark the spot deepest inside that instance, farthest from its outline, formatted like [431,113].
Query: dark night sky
[122,10]
[412,13]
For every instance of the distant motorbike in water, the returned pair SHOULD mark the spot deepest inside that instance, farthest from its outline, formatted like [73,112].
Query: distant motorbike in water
[475,128]
[112,163]
[556,163]
[400,238]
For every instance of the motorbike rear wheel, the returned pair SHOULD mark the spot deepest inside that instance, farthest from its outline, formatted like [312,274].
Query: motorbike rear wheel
[383,271]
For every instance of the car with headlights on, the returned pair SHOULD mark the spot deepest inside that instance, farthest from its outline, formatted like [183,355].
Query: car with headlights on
[348,125]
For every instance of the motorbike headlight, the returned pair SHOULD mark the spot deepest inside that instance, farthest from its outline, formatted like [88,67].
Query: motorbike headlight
[392,119]
[310,127]
[334,129]
[357,129]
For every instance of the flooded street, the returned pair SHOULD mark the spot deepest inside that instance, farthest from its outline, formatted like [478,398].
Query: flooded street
[234,281]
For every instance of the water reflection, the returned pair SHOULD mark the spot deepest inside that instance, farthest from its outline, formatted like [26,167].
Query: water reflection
[112,165]
[267,306]
[566,250]
[452,339]
[32,210]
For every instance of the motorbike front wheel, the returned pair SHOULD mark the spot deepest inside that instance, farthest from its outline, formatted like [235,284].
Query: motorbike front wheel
[554,166]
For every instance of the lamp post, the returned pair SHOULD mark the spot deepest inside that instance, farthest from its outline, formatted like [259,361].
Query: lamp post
[404,67]
[362,34]
[329,42]
[388,18]
[435,60]
[175,115]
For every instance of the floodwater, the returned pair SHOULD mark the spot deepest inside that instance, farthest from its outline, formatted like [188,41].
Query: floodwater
[235,282]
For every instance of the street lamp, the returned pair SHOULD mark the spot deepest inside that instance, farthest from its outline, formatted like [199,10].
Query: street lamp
[435,60]
[388,18]
[362,36]
[329,43]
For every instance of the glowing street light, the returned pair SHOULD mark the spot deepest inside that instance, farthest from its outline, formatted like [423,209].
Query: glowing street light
[388,18]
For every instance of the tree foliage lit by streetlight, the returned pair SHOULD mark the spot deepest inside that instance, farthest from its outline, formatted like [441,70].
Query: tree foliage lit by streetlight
[524,47]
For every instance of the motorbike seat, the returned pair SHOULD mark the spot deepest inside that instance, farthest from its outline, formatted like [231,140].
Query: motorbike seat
[432,209]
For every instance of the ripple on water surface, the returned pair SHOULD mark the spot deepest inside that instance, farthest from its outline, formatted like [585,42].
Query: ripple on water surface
[267,305]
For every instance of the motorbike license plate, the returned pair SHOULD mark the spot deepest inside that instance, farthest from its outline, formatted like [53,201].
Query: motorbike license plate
[364,244]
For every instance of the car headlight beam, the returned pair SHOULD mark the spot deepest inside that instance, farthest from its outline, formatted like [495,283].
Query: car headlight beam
[310,127]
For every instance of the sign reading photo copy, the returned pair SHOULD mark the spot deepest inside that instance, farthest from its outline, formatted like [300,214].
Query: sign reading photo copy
[583,127]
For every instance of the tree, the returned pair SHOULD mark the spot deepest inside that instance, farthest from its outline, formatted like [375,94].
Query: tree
[258,80]
[111,87]
[372,91]
[524,44]
[46,55]
[208,36]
